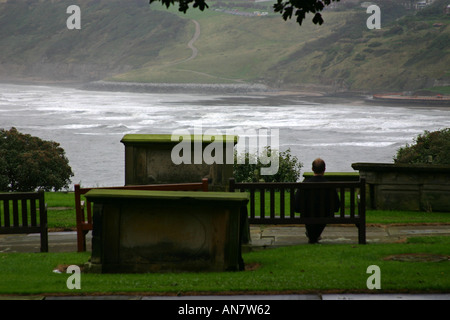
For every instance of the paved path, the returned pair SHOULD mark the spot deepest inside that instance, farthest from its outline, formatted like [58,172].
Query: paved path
[190,45]
[194,55]
[193,40]
[262,237]
[275,236]
[259,298]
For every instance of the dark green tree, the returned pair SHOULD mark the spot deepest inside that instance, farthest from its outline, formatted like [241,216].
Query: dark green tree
[28,163]
[288,8]
[430,147]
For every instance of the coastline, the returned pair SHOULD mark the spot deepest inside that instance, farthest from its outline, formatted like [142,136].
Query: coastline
[175,87]
[308,91]
[415,100]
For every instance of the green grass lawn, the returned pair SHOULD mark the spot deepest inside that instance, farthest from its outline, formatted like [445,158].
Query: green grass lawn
[61,213]
[305,268]
[441,90]
[60,210]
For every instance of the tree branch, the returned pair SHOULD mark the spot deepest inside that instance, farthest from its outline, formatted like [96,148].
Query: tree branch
[285,8]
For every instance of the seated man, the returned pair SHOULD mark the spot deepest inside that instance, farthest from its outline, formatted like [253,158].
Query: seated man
[316,202]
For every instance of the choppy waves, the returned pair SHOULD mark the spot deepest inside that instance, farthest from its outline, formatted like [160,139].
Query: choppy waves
[90,124]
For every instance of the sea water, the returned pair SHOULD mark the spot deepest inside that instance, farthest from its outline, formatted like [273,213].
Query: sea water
[90,124]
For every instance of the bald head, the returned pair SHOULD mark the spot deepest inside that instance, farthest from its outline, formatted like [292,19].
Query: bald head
[318,166]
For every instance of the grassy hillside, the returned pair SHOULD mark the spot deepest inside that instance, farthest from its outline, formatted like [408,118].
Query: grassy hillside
[230,49]
[409,53]
[115,36]
[132,41]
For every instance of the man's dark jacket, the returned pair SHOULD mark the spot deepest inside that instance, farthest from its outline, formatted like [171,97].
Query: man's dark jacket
[316,202]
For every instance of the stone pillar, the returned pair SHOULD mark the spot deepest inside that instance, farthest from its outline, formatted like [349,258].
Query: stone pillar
[149,159]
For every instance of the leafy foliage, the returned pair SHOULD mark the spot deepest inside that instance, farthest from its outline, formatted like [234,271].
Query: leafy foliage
[288,167]
[300,8]
[28,163]
[183,5]
[287,8]
[429,147]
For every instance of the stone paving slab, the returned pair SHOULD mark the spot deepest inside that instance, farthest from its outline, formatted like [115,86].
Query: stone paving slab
[265,236]
[393,296]
[109,297]
[258,297]
[276,297]
[407,231]
[65,241]
[262,236]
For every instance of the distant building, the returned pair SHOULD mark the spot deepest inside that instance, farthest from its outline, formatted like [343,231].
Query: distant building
[343,4]
[366,4]
[421,5]
[416,4]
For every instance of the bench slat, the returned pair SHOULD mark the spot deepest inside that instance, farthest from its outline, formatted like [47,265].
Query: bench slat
[342,198]
[33,217]
[282,204]
[252,203]
[352,202]
[15,212]
[8,196]
[24,212]
[7,222]
[272,203]
[292,203]
[21,229]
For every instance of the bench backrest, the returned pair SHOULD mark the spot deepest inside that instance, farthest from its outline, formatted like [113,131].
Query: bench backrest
[274,202]
[85,216]
[24,212]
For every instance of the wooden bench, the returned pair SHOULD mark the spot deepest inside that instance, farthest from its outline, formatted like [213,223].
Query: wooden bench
[352,209]
[83,209]
[24,212]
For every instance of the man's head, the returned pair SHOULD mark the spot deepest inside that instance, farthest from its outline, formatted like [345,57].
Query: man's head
[318,166]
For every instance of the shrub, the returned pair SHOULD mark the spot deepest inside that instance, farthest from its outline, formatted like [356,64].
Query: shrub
[288,168]
[28,163]
[429,147]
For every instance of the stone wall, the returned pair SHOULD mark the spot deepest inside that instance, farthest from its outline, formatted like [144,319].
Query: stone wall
[406,187]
